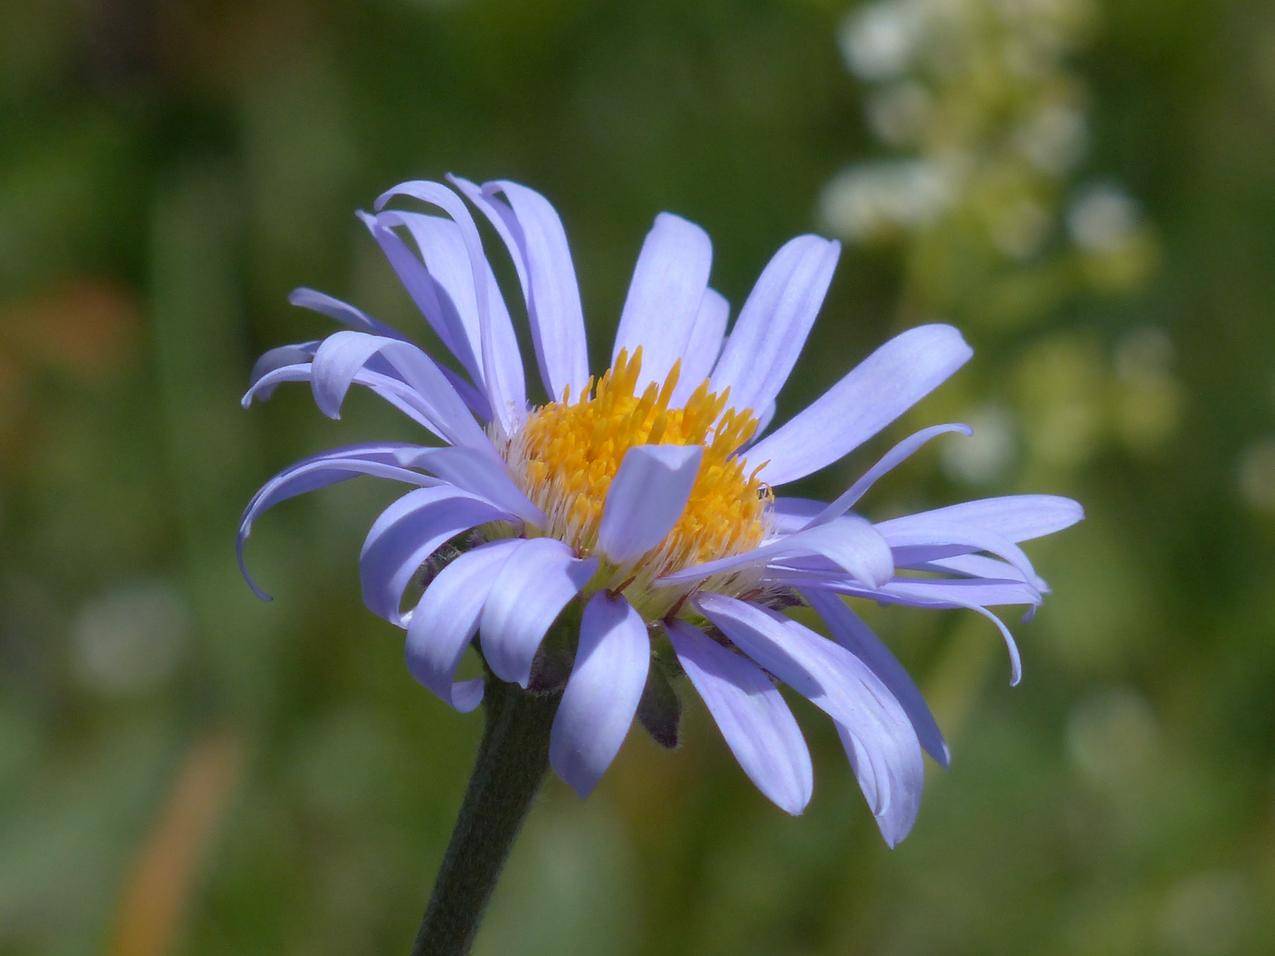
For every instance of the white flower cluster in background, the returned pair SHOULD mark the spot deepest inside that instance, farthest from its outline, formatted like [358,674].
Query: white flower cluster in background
[981,183]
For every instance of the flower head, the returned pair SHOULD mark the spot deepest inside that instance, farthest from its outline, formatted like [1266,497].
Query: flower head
[643,498]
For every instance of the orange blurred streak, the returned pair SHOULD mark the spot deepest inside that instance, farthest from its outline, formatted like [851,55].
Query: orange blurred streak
[157,893]
[84,326]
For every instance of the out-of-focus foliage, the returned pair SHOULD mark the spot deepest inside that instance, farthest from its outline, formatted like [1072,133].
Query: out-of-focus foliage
[1086,188]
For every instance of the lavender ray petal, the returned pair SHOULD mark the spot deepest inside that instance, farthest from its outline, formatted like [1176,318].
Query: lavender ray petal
[662,306]
[872,395]
[1015,517]
[850,542]
[751,714]
[442,244]
[343,312]
[329,468]
[343,354]
[888,462]
[774,321]
[848,630]
[647,496]
[446,619]
[538,581]
[924,595]
[886,755]
[395,392]
[925,530]
[704,346]
[537,243]
[407,532]
[501,366]
[602,693]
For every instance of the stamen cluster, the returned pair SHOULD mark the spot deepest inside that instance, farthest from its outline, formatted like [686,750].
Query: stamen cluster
[569,451]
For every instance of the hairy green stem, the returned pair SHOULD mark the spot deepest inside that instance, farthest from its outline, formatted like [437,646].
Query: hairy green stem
[511,764]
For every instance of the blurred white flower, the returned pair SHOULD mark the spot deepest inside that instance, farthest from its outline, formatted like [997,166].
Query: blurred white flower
[1257,475]
[879,40]
[899,113]
[874,199]
[130,639]
[1053,139]
[1103,218]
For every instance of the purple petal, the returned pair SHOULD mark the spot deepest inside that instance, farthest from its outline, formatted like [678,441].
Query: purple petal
[849,542]
[851,633]
[752,716]
[928,592]
[979,566]
[391,390]
[501,366]
[704,345]
[889,461]
[439,308]
[603,692]
[533,588]
[883,746]
[925,595]
[442,245]
[343,312]
[663,303]
[481,475]
[538,246]
[646,498]
[446,618]
[407,533]
[962,592]
[386,460]
[789,515]
[880,389]
[343,354]
[271,360]
[925,530]
[1015,517]
[774,322]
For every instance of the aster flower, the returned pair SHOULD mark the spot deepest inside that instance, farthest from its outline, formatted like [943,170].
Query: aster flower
[630,526]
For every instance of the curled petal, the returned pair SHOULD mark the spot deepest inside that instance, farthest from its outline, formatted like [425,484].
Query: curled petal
[537,243]
[407,533]
[388,460]
[537,582]
[344,354]
[889,461]
[446,618]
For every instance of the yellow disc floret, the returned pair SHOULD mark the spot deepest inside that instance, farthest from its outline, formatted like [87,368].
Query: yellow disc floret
[568,452]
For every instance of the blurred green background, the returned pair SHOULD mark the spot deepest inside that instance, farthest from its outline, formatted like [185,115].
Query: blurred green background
[1087,189]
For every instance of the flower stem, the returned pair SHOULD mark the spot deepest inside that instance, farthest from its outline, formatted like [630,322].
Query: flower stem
[512,760]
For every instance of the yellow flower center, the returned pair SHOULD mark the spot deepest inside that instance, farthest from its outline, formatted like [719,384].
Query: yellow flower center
[568,452]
